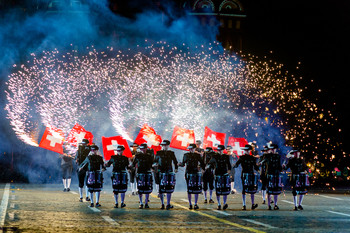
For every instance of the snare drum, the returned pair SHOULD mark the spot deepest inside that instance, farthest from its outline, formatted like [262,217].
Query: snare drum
[94,181]
[144,183]
[119,182]
[300,182]
[250,182]
[274,184]
[222,184]
[194,183]
[167,182]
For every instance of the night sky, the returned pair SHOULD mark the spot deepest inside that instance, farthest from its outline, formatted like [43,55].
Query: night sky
[316,33]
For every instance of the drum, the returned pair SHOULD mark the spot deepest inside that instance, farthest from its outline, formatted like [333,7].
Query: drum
[167,182]
[94,181]
[145,183]
[274,184]
[194,183]
[119,182]
[250,182]
[300,183]
[222,184]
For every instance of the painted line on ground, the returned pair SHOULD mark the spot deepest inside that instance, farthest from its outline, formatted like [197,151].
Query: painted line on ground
[334,212]
[110,221]
[4,204]
[215,218]
[290,202]
[94,209]
[221,212]
[185,200]
[259,223]
[72,192]
[335,198]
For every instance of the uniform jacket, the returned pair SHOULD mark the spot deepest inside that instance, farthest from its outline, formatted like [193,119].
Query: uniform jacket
[164,160]
[248,164]
[143,161]
[93,162]
[192,160]
[119,162]
[221,163]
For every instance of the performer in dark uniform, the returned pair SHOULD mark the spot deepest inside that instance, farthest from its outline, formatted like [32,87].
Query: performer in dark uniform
[143,162]
[263,177]
[233,160]
[248,163]
[132,170]
[95,166]
[119,178]
[193,177]
[299,179]
[199,148]
[67,165]
[208,175]
[164,159]
[221,164]
[273,170]
[81,154]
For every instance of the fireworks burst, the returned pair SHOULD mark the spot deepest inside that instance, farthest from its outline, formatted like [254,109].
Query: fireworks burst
[164,86]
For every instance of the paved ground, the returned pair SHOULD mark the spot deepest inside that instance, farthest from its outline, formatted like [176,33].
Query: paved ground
[45,208]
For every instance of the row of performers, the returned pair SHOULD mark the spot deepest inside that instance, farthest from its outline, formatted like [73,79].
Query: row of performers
[216,167]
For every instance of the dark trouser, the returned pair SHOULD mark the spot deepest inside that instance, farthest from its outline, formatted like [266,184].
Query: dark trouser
[67,171]
[263,179]
[232,175]
[81,178]
[132,173]
[208,180]
[156,177]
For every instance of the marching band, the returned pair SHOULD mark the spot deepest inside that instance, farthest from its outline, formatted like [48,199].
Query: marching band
[204,169]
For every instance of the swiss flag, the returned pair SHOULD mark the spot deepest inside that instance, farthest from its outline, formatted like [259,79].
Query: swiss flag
[181,138]
[148,135]
[237,143]
[77,134]
[110,143]
[52,139]
[212,138]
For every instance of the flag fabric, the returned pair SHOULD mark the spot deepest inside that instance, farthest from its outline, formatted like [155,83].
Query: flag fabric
[237,143]
[148,135]
[110,143]
[212,138]
[52,139]
[77,134]
[182,138]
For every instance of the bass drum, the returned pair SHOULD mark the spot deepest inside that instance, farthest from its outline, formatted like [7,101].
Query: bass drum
[144,183]
[167,182]
[194,183]
[222,184]
[274,184]
[119,182]
[301,183]
[94,181]
[250,183]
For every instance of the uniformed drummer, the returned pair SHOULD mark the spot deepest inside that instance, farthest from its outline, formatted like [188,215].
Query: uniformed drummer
[222,166]
[248,163]
[81,154]
[193,160]
[143,162]
[263,177]
[165,159]
[95,165]
[132,170]
[233,159]
[120,165]
[299,169]
[208,175]
[273,170]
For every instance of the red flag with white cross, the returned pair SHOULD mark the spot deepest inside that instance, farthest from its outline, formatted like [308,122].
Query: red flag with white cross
[77,134]
[212,138]
[236,144]
[182,138]
[52,139]
[148,135]
[110,144]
